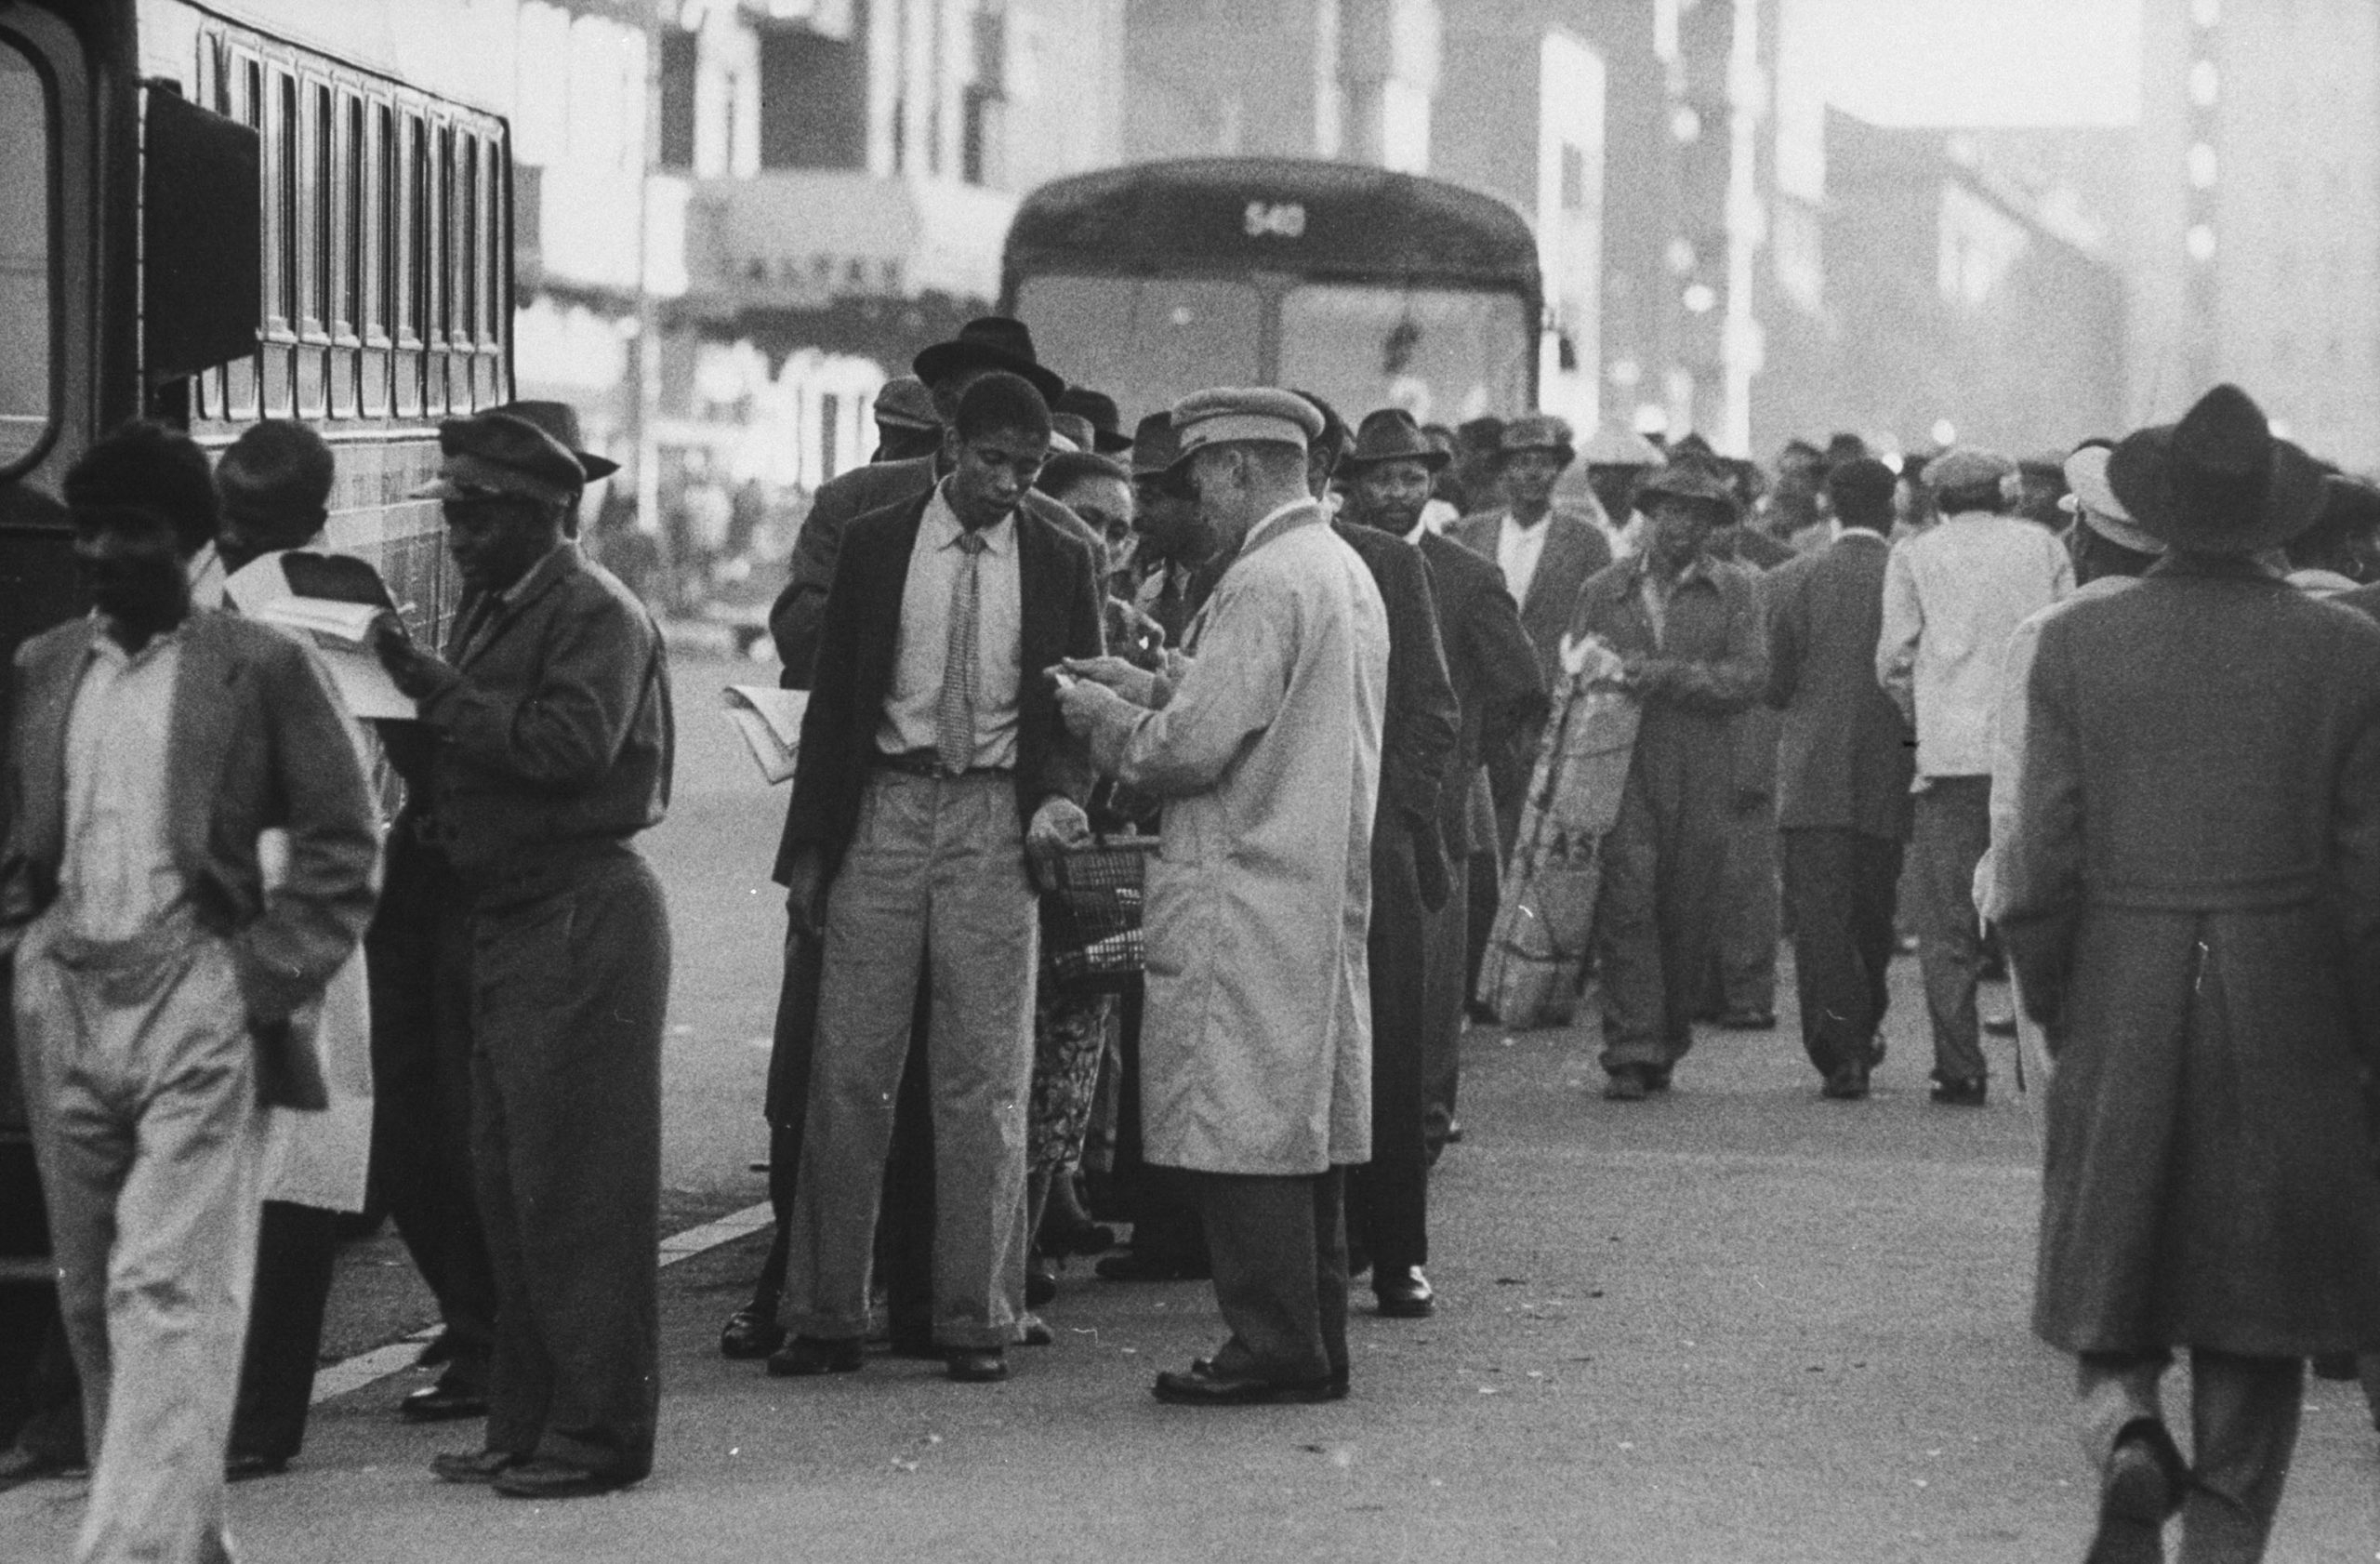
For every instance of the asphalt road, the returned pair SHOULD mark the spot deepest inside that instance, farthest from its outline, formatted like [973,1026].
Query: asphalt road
[1735,1324]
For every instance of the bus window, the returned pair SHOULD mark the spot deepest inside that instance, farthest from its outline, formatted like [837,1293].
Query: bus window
[26,295]
[1146,342]
[1443,354]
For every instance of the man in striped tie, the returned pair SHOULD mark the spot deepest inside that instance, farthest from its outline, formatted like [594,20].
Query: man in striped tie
[932,767]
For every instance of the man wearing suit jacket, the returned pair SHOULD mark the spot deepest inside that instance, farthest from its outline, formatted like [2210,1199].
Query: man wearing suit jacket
[1420,727]
[1843,775]
[1493,671]
[162,998]
[553,749]
[933,764]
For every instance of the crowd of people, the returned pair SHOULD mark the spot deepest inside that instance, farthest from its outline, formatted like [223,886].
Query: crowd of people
[2087,716]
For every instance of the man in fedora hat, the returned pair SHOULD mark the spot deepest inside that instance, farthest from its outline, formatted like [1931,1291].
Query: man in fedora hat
[1953,595]
[2190,896]
[1097,409]
[1258,1051]
[550,707]
[1689,630]
[1421,732]
[1493,669]
[1843,776]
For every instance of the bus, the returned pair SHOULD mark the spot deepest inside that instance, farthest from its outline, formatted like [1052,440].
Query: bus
[215,214]
[1367,288]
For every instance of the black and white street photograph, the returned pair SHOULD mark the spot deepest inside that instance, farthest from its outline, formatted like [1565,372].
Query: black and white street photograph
[1189,781]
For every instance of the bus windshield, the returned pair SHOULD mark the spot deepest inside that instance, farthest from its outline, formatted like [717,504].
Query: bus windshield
[1442,355]
[1146,342]
[25,323]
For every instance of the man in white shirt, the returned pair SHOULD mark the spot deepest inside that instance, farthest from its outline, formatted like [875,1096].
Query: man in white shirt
[1954,595]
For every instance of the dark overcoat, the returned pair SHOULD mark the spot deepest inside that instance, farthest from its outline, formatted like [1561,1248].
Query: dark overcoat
[2190,899]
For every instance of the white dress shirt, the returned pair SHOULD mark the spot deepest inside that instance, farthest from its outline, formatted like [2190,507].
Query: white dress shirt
[921,650]
[117,876]
[1517,550]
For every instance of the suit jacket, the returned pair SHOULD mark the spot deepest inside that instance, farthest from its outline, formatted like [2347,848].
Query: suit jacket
[1575,549]
[561,731]
[1058,591]
[1493,666]
[797,616]
[257,740]
[1421,726]
[1846,755]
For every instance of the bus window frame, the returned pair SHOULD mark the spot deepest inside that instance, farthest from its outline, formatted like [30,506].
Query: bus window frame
[43,56]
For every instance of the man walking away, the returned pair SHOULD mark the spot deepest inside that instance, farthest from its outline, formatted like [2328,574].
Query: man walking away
[2190,898]
[1687,628]
[1843,774]
[933,764]
[1953,596]
[554,750]
[1257,1056]
[159,991]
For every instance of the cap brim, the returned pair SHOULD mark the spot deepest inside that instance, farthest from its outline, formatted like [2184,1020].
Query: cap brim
[946,359]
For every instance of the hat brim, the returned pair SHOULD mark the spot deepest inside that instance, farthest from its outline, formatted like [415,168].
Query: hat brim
[1108,443]
[946,359]
[1569,454]
[1432,459]
[2141,474]
[598,468]
[1725,504]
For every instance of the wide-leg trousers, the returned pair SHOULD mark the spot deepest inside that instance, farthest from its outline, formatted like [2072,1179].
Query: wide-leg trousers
[1388,1198]
[934,880]
[1280,1253]
[570,987]
[140,1091]
[1656,920]
[1841,885]
[1951,832]
[2243,1429]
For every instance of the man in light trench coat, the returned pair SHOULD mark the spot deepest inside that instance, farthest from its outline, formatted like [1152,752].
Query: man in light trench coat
[2189,891]
[1265,746]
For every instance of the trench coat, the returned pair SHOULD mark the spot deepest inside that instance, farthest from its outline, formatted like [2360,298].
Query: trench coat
[1256,1046]
[2189,894]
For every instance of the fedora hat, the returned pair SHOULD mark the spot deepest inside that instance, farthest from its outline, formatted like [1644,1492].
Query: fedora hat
[1539,431]
[990,342]
[1106,424]
[2218,482]
[560,420]
[1390,435]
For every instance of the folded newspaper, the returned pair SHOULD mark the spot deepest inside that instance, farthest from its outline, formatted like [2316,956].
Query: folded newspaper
[339,629]
[769,720]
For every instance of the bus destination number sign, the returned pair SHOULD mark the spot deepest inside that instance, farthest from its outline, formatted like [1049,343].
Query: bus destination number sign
[1274,219]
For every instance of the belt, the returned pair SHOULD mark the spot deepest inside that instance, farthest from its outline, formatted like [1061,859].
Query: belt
[925,762]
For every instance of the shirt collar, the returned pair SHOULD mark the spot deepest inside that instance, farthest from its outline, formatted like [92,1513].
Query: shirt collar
[1421,530]
[1257,533]
[1532,529]
[109,648]
[943,526]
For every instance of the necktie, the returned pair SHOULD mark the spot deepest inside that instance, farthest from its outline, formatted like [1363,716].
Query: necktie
[954,717]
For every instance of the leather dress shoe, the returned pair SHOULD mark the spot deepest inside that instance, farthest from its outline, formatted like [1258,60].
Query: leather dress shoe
[542,1478]
[1040,1282]
[977,1365]
[806,1355]
[1959,1093]
[1656,1077]
[1626,1085]
[239,1467]
[443,1402]
[2137,1493]
[1847,1082]
[473,1466]
[750,1332]
[1999,1025]
[1196,1389]
[1404,1293]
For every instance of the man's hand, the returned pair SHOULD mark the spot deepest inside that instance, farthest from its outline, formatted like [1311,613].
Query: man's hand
[1135,685]
[805,892]
[1083,705]
[1057,824]
[419,674]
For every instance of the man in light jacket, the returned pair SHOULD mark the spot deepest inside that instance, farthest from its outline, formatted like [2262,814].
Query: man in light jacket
[1257,1049]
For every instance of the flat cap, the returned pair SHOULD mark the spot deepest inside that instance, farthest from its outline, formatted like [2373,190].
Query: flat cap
[1229,413]
[1538,431]
[905,403]
[1963,467]
[491,453]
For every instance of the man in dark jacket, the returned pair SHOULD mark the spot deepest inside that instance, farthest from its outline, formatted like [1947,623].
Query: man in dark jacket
[1843,774]
[933,764]
[1494,673]
[2189,891]
[1420,728]
[1687,628]
[554,742]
